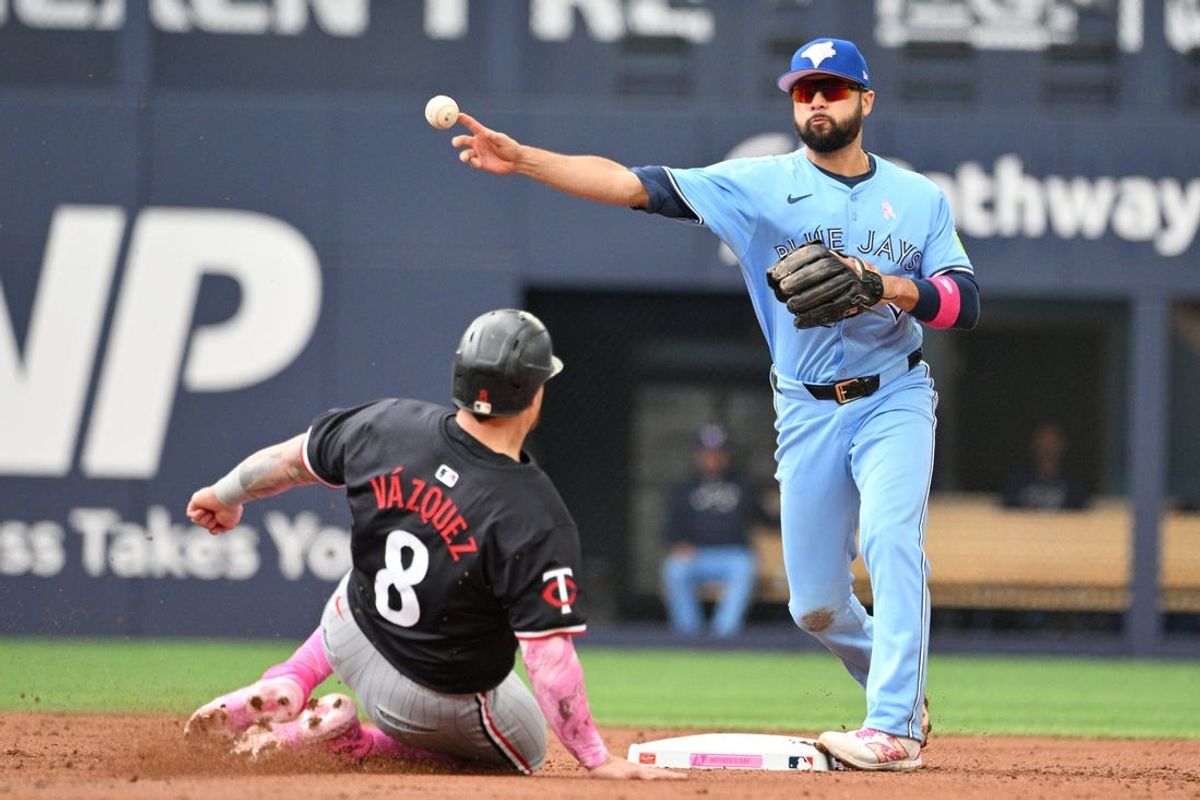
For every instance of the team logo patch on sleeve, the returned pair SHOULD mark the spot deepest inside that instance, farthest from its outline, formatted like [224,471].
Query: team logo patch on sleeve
[560,589]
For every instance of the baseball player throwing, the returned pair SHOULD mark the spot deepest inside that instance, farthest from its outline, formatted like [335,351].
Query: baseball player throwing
[845,256]
[461,548]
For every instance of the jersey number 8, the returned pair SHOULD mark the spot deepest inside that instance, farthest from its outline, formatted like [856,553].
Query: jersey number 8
[401,578]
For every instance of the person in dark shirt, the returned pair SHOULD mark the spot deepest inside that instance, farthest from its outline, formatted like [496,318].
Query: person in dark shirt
[706,533]
[1044,484]
[461,550]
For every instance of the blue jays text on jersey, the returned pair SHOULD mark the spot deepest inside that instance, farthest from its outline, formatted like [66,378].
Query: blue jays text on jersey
[906,255]
[762,207]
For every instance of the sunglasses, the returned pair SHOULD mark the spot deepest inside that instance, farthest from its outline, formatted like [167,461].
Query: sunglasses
[832,89]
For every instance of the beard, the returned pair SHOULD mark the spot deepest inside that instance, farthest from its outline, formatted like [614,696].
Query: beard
[836,136]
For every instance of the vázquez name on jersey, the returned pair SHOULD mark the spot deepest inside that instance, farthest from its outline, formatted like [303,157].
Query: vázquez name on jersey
[422,497]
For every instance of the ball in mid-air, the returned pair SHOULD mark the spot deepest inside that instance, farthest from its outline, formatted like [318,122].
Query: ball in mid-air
[441,112]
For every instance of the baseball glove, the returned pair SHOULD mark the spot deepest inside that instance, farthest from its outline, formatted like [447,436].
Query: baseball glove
[820,288]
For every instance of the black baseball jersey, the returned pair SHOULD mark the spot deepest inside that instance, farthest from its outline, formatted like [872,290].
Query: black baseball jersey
[455,547]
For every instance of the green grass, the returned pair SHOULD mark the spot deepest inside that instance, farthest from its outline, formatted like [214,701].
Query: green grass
[660,688]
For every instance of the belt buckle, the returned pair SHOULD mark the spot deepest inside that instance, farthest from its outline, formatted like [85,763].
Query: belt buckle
[841,388]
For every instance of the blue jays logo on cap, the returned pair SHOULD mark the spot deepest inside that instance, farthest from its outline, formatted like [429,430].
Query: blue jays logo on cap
[826,57]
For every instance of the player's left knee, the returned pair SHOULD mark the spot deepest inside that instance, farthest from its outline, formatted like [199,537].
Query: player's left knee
[814,620]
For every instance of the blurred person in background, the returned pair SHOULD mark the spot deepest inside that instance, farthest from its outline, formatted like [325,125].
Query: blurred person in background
[708,535]
[1043,484]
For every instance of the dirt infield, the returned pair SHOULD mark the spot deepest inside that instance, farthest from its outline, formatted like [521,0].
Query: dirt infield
[88,757]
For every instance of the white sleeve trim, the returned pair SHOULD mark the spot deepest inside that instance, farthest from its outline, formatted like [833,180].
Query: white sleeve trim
[570,630]
[308,464]
[675,185]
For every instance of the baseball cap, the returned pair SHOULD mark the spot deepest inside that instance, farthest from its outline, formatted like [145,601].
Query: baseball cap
[826,57]
[712,437]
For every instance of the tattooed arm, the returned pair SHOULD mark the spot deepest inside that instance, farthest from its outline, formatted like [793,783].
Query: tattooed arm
[270,471]
[557,678]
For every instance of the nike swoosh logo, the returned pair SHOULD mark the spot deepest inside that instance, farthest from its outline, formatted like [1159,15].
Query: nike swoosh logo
[792,199]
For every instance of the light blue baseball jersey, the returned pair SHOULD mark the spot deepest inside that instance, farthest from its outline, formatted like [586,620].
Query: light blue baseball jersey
[762,208]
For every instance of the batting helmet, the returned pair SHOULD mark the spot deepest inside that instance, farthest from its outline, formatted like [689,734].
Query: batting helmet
[503,358]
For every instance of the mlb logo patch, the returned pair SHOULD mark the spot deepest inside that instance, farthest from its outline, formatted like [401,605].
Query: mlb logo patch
[446,475]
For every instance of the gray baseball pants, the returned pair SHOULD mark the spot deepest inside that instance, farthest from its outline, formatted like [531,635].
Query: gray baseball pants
[501,727]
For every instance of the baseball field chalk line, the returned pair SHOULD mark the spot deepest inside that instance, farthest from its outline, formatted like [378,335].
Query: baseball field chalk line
[732,751]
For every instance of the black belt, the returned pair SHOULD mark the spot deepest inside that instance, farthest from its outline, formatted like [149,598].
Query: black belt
[853,388]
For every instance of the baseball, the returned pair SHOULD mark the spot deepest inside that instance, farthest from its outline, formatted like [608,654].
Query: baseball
[441,112]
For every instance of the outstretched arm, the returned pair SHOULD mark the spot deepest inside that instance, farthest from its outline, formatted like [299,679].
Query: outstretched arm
[557,678]
[270,471]
[589,177]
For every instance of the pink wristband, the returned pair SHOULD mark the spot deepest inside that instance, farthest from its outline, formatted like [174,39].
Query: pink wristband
[951,303]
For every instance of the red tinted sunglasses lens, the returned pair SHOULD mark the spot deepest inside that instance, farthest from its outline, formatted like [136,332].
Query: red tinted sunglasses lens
[831,90]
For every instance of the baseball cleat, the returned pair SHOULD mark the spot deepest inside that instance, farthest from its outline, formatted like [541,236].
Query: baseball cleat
[269,700]
[329,719]
[867,748]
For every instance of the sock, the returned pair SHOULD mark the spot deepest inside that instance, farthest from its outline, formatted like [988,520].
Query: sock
[308,666]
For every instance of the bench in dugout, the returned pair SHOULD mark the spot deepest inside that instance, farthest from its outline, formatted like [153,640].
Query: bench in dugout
[984,556]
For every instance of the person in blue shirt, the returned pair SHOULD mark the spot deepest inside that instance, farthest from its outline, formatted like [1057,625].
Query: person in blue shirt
[707,533]
[855,403]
